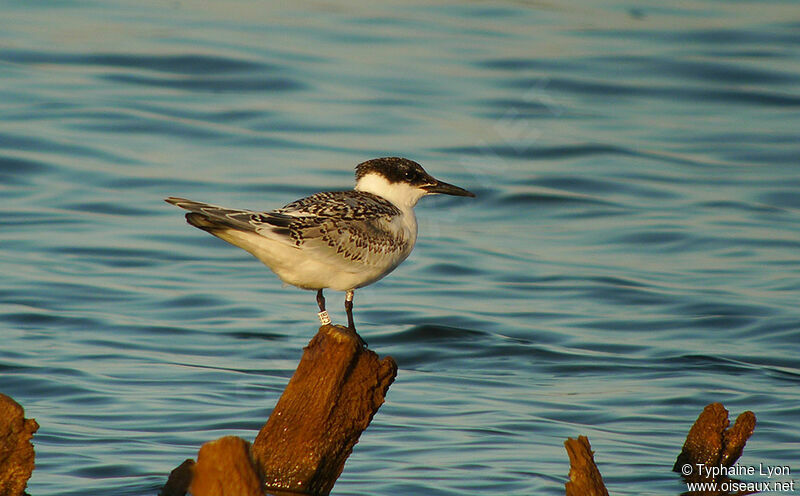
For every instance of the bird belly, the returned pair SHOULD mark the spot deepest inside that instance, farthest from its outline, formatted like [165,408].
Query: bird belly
[297,268]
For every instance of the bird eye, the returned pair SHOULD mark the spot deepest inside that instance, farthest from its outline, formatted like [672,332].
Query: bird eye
[411,175]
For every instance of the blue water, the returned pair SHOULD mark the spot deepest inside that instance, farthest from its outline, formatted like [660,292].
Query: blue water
[633,253]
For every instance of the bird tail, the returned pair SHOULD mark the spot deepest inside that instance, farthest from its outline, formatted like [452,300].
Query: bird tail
[212,218]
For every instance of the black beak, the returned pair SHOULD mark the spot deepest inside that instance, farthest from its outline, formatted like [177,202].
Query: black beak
[446,189]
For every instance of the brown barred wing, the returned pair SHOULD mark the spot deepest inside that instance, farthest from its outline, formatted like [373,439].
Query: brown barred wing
[371,242]
[341,227]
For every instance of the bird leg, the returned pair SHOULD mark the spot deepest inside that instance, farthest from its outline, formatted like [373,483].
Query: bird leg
[348,307]
[324,318]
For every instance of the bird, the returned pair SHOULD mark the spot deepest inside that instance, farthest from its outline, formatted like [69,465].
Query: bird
[339,240]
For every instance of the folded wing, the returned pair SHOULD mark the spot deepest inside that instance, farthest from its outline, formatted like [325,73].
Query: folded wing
[344,228]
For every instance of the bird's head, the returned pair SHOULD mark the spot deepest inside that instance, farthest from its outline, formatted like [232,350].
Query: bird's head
[401,181]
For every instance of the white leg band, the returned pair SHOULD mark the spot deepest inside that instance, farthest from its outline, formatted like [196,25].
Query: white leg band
[324,318]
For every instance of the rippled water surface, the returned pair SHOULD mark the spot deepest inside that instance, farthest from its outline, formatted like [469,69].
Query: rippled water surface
[633,253]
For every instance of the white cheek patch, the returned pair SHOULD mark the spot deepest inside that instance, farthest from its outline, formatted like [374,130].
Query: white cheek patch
[401,194]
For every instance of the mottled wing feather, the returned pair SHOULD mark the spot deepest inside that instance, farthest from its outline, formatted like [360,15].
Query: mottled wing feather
[340,226]
[353,205]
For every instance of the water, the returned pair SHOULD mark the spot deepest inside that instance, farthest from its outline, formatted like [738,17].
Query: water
[633,254]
